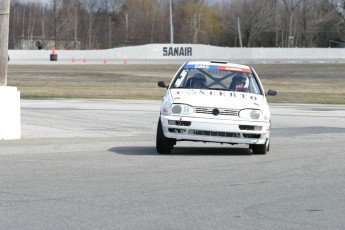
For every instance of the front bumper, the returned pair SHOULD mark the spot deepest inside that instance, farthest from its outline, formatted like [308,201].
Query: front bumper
[215,130]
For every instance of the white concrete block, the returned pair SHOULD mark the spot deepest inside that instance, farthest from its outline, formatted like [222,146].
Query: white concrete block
[10,122]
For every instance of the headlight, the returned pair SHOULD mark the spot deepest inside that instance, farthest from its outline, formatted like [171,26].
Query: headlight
[251,114]
[181,109]
[255,114]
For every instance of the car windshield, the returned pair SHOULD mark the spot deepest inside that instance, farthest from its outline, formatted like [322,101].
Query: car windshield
[217,78]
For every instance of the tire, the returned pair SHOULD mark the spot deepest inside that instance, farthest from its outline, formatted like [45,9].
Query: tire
[163,145]
[261,149]
[53,57]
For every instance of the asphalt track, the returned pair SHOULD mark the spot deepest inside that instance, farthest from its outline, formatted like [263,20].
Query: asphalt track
[92,164]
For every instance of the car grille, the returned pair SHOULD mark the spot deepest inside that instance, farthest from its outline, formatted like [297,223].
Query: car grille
[223,112]
[214,134]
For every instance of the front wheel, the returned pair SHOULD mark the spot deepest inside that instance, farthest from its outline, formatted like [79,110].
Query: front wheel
[261,149]
[163,145]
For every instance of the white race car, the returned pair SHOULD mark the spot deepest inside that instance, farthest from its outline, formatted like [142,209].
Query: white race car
[214,101]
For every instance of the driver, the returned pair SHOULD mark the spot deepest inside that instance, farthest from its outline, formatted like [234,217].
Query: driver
[238,84]
[198,81]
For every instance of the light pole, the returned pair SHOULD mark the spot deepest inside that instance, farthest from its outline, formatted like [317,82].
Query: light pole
[126,41]
[171,25]
[4,28]
[239,32]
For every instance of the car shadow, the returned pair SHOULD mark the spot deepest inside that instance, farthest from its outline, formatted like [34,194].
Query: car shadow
[182,151]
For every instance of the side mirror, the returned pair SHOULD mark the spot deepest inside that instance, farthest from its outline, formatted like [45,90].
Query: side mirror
[162,84]
[271,92]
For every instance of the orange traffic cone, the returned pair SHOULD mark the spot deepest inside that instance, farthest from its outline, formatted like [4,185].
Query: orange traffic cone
[53,51]
[125,61]
[73,59]
[84,59]
[105,60]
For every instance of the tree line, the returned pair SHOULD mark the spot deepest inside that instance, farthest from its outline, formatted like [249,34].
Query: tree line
[103,24]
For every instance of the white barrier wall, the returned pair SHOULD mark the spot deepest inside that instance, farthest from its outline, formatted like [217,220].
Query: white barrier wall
[10,123]
[185,51]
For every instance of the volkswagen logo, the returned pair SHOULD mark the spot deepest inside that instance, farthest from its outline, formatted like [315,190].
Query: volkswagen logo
[215,112]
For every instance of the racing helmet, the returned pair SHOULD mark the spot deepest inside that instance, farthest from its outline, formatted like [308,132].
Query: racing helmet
[236,80]
[198,77]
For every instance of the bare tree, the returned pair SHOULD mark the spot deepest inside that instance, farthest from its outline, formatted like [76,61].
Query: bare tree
[32,20]
[268,23]
[198,5]
[56,16]
[92,8]
[188,20]
[262,21]
[339,6]
[70,10]
[290,7]
[323,25]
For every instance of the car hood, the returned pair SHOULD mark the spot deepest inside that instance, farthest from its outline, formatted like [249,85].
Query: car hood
[216,98]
